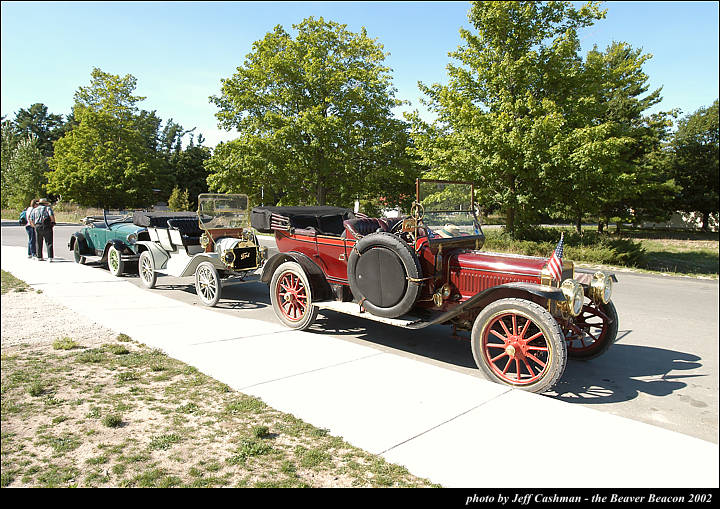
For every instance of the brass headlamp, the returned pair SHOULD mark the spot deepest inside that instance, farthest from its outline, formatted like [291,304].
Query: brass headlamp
[601,288]
[574,296]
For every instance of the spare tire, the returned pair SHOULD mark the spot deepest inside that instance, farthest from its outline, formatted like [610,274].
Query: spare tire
[381,269]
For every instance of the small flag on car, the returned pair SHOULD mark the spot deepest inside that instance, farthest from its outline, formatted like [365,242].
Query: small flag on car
[278,222]
[360,215]
[555,262]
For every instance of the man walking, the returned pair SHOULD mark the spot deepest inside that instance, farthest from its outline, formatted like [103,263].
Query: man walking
[42,219]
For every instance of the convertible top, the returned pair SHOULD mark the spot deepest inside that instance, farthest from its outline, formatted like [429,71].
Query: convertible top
[324,219]
[159,219]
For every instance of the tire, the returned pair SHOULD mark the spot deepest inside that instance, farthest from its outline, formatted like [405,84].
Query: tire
[146,270]
[207,284]
[291,296]
[76,252]
[524,332]
[378,270]
[114,262]
[592,332]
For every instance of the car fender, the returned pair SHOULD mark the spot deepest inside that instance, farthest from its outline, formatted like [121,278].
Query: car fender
[540,294]
[78,237]
[319,285]
[160,256]
[117,244]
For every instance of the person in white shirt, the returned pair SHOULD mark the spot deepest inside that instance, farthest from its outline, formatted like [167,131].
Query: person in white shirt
[43,220]
[32,248]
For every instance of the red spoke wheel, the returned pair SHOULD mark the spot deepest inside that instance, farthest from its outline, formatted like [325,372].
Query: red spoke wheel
[291,296]
[518,343]
[592,332]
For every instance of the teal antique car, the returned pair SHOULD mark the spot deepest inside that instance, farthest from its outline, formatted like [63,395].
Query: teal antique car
[112,239]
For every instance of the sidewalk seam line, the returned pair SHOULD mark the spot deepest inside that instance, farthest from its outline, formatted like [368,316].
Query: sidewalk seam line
[444,422]
[311,371]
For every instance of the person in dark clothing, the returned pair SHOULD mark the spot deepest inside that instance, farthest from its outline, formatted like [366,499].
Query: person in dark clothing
[32,246]
[42,219]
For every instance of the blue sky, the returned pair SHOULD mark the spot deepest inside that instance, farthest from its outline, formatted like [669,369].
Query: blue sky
[179,51]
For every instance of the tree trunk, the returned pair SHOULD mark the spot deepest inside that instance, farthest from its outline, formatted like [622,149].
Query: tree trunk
[510,219]
[601,226]
[321,194]
[706,221]
[578,224]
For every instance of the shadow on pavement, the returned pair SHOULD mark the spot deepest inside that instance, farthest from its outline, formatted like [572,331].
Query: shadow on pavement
[618,375]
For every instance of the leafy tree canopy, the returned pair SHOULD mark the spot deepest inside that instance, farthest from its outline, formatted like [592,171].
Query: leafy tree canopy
[108,158]
[314,121]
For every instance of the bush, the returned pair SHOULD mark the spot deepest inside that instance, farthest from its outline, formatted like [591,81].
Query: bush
[590,247]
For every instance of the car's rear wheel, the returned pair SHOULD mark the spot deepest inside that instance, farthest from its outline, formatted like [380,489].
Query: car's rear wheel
[207,284]
[291,296]
[591,333]
[146,268]
[518,343]
[114,262]
[76,253]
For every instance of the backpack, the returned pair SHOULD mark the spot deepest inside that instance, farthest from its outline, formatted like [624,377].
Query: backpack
[23,217]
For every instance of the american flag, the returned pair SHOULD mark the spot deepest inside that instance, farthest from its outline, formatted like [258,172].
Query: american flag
[555,262]
[278,222]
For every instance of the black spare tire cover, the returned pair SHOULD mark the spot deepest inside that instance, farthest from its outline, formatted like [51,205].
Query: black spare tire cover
[380,269]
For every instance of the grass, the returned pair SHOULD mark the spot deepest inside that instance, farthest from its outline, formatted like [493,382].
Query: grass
[657,251]
[123,414]
[64,213]
[9,283]
[73,425]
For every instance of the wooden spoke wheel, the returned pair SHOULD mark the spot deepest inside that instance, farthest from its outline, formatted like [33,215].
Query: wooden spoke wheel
[518,343]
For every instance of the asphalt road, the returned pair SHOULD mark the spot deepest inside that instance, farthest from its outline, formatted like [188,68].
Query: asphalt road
[663,370]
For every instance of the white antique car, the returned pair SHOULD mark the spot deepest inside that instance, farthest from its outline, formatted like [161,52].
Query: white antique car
[214,245]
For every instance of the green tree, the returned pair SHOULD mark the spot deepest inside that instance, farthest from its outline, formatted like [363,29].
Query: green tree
[46,127]
[314,121]
[25,175]
[109,158]
[516,91]
[9,142]
[179,200]
[695,162]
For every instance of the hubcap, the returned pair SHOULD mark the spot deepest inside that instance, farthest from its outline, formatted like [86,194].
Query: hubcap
[515,348]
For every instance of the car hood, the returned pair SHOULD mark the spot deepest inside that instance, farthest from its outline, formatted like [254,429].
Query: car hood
[498,262]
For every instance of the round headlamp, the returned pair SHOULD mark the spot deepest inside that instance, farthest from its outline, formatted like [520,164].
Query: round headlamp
[204,240]
[601,287]
[574,296]
[132,238]
[228,258]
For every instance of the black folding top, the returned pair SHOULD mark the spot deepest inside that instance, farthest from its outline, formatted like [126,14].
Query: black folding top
[159,219]
[324,219]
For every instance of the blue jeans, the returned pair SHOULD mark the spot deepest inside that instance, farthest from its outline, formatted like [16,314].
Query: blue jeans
[31,240]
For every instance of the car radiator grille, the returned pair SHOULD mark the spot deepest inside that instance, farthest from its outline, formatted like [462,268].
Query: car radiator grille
[470,282]
[245,258]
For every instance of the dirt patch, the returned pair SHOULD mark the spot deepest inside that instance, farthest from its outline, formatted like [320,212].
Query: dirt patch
[83,406]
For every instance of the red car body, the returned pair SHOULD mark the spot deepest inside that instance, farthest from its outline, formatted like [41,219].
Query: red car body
[523,323]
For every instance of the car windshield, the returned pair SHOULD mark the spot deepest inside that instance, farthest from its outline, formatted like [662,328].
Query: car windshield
[223,210]
[448,208]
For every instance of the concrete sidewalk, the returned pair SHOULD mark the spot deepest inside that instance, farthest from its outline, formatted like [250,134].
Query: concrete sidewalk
[455,429]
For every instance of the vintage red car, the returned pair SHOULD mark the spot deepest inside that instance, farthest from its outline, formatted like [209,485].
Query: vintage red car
[428,268]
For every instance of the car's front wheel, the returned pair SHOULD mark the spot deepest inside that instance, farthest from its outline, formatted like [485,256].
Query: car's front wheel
[146,268]
[518,343]
[207,284]
[291,296]
[114,262]
[76,253]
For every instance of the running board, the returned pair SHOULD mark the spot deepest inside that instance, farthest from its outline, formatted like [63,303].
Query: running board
[353,308]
